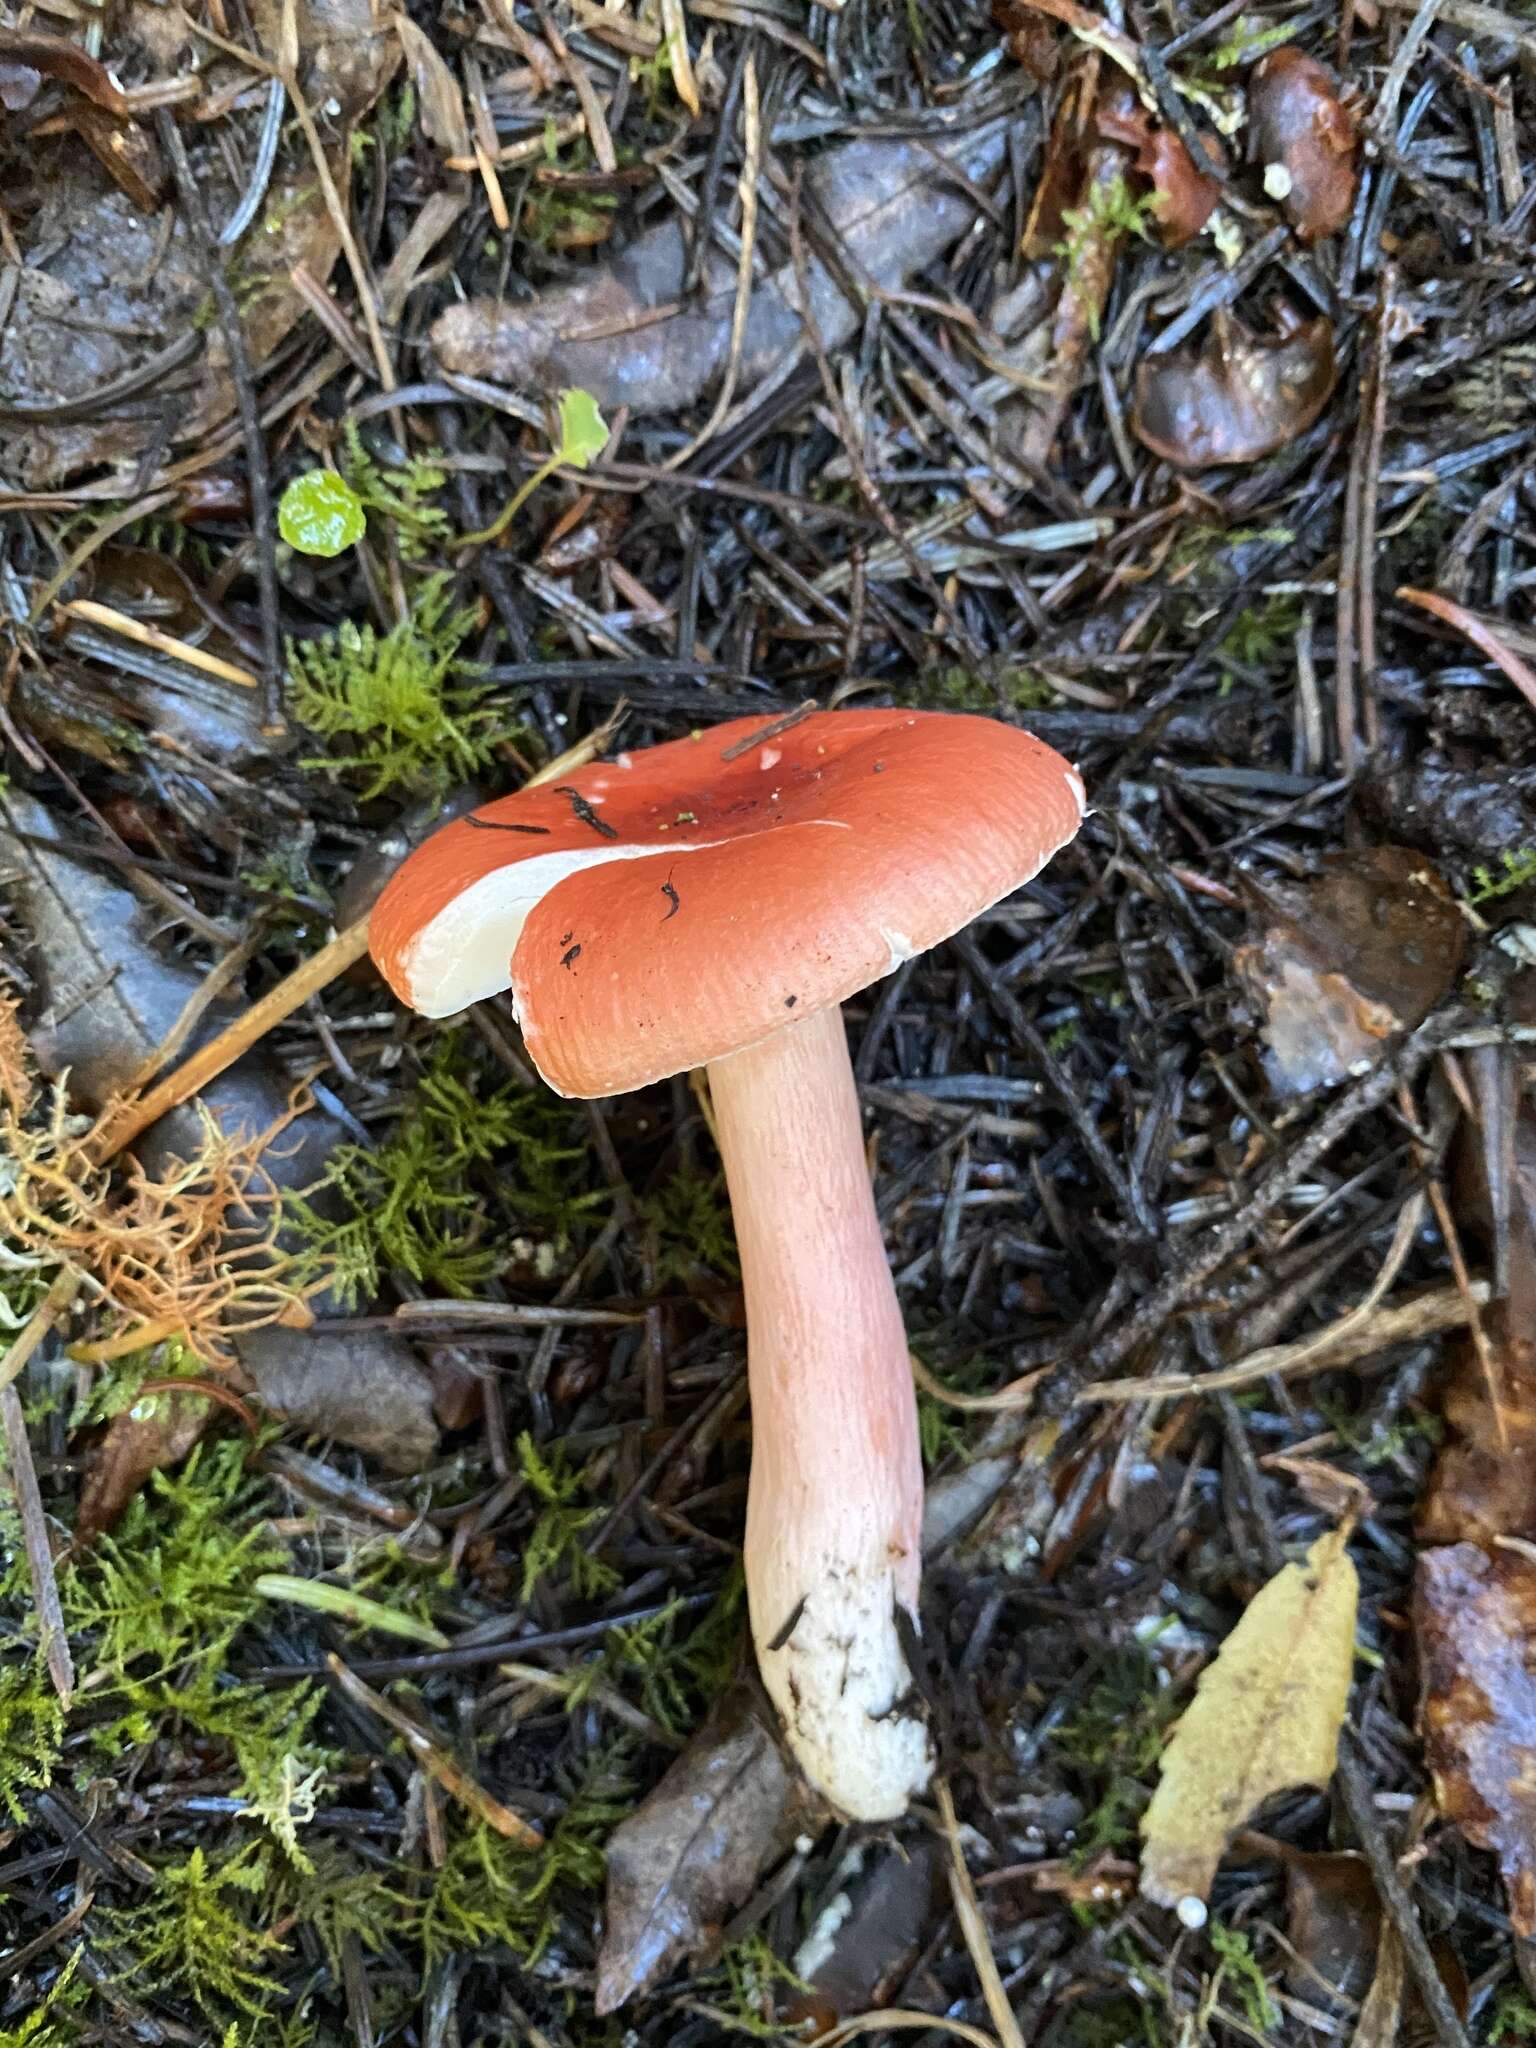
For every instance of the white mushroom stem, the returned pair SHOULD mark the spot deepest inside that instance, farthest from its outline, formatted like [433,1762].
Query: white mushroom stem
[835,1508]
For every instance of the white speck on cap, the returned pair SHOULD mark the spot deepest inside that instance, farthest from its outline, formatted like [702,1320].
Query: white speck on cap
[769,757]
[1277,181]
[1191,1912]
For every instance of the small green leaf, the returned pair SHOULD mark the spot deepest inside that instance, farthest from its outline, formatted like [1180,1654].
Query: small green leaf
[320,513]
[583,430]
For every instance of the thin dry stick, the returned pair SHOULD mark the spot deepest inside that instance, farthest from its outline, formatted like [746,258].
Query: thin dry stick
[899,2021]
[1176,1288]
[1354,1335]
[209,989]
[65,1287]
[94,614]
[435,1761]
[974,1928]
[122,1123]
[52,1634]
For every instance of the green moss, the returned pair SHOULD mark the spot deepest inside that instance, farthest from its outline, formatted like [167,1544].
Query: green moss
[1246,39]
[400,494]
[471,1162]
[689,1217]
[1266,630]
[31,1729]
[675,1673]
[1112,1744]
[201,1930]
[744,1990]
[489,1893]
[1513,2018]
[1238,1972]
[556,1546]
[987,688]
[1516,870]
[403,708]
[56,2023]
[173,1585]
[1110,210]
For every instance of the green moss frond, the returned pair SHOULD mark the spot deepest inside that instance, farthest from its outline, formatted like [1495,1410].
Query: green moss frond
[175,1580]
[31,1729]
[400,494]
[556,1546]
[420,1204]
[402,709]
[690,1218]
[198,1930]
[490,1894]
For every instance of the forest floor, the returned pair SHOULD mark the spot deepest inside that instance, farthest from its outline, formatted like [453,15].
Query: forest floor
[392,404]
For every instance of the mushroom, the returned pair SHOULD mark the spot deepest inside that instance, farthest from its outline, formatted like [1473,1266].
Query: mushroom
[710,902]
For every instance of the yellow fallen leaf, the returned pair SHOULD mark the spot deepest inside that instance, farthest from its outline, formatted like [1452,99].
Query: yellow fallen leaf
[1266,1715]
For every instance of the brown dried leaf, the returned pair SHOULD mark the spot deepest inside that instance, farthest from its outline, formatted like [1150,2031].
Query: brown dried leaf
[1031,40]
[1236,396]
[1333,1922]
[1342,964]
[153,1434]
[887,202]
[693,1849]
[1185,197]
[1475,1618]
[437,90]
[1306,139]
[1483,1484]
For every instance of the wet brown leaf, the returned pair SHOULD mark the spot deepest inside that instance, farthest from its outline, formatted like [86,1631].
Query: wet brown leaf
[1344,963]
[156,1432]
[1333,1922]
[1185,196]
[1236,396]
[1475,1618]
[887,201]
[694,1848]
[1306,139]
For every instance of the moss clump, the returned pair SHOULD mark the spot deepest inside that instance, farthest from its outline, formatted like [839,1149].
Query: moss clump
[199,1930]
[491,1894]
[689,1217]
[1113,1743]
[403,709]
[556,1546]
[401,494]
[31,1730]
[470,1162]
[987,688]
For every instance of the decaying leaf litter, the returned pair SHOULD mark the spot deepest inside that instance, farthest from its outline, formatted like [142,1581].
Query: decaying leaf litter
[1202,1163]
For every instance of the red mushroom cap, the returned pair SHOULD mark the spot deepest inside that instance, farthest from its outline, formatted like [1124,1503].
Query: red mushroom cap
[669,907]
